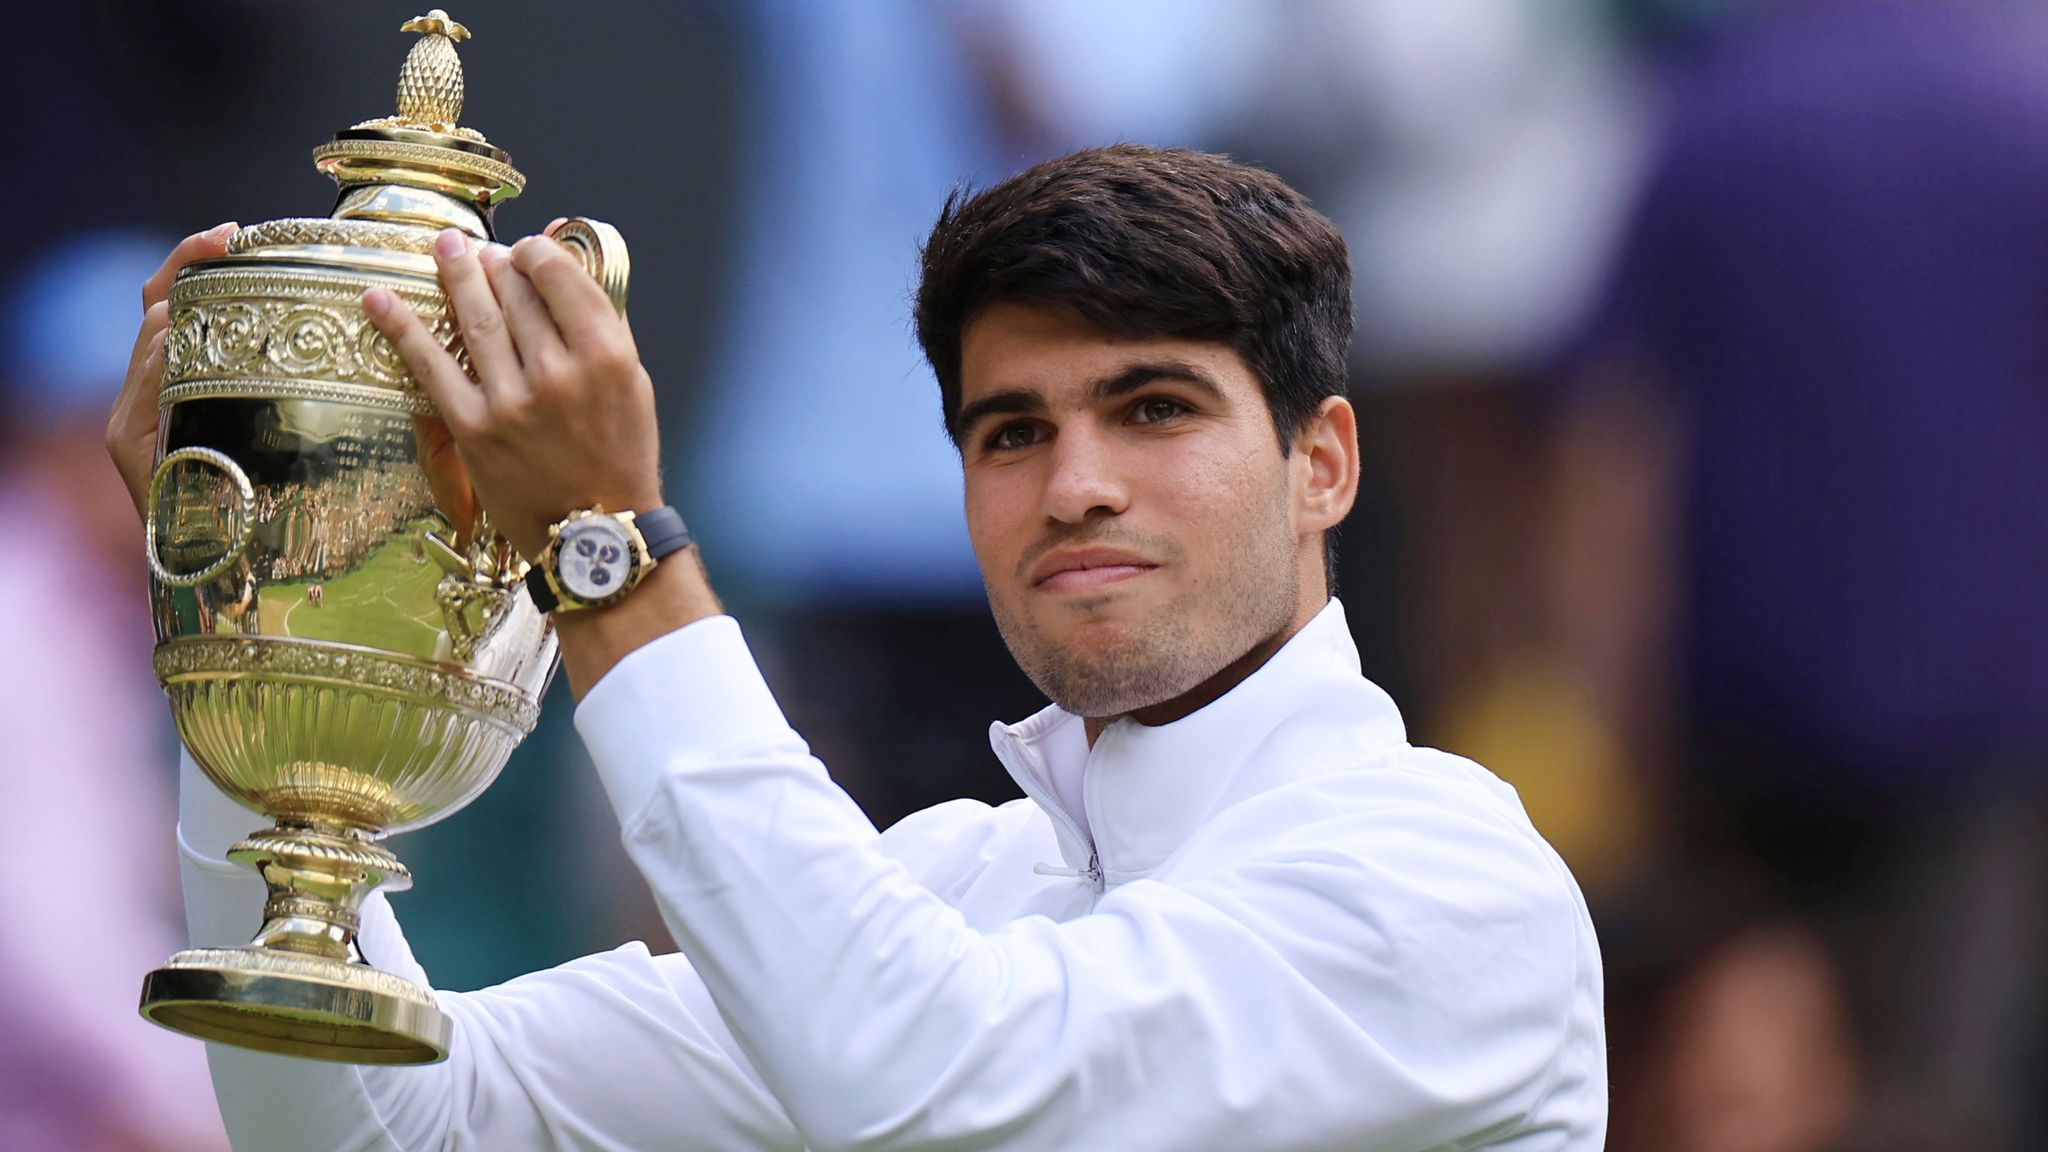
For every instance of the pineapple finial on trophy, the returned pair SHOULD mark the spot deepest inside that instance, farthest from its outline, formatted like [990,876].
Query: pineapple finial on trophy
[430,84]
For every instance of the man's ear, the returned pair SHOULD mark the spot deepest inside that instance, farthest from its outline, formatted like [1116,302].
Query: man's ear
[1326,466]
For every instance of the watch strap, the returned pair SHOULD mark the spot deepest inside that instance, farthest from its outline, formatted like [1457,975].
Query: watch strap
[543,592]
[663,531]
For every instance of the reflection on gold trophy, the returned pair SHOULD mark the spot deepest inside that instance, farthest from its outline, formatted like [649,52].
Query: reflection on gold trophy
[347,646]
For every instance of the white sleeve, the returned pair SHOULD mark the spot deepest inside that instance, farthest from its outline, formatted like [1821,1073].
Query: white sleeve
[617,1051]
[1400,983]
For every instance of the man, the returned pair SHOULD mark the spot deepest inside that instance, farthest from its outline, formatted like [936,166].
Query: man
[1236,909]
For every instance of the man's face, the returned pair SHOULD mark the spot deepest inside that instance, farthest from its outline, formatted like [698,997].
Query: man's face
[1129,505]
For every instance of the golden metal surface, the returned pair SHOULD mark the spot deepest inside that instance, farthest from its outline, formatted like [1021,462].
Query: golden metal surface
[430,84]
[298,318]
[601,250]
[423,146]
[347,647]
[297,1005]
[381,156]
[209,514]
[296,230]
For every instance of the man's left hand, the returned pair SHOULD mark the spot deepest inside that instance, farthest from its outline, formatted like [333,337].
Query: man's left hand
[561,413]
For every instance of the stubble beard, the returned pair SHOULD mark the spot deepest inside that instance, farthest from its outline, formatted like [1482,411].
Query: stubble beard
[1183,642]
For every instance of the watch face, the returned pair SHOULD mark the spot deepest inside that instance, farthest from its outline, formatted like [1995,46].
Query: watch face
[595,559]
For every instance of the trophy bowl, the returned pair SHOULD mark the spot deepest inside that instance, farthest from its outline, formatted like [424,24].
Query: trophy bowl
[348,649]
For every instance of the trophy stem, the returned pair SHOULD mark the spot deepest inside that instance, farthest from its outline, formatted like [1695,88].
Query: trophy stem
[318,875]
[302,987]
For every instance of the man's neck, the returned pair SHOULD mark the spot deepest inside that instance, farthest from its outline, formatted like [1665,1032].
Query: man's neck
[1213,688]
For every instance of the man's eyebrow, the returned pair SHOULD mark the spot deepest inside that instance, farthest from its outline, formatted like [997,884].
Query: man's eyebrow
[1137,376]
[1027,402]
[1013,402]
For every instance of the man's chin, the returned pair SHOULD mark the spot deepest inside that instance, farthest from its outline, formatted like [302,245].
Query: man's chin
[1130,604]
[1096,656]
[1102,632]
[1108,667]
[1106,684]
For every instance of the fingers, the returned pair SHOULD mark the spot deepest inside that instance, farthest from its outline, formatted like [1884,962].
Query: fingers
[447,476]
[582,311]
[132,421]
[131,425]
[199,246]
[150,371]
[460,401]
[137,404]
[526,314]
[156,295]
[483,323]
[156,320]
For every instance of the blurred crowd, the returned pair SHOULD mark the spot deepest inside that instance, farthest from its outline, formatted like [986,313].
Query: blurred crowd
[1702,364]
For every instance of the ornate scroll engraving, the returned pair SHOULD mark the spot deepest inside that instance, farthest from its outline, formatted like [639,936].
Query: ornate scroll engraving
[295,328]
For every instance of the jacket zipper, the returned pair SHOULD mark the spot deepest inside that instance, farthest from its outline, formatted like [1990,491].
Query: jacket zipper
[1048,802]
[1092,873]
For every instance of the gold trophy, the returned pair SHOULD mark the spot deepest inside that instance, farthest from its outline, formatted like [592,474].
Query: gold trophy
[348,648]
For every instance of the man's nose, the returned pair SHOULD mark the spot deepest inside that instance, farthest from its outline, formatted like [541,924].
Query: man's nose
[1086,478]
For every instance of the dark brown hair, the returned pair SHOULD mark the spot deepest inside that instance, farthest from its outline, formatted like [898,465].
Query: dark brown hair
[1150,242]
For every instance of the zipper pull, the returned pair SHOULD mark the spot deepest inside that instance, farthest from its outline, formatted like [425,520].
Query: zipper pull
[1092,873]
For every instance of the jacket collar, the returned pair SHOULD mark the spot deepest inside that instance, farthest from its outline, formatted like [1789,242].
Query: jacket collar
[1307,711]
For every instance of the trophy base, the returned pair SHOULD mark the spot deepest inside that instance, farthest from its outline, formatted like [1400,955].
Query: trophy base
[297,1005]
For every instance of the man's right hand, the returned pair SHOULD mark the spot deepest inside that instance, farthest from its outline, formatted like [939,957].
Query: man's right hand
[131,426]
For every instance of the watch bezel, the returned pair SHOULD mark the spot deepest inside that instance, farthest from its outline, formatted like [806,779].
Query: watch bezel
[636,547]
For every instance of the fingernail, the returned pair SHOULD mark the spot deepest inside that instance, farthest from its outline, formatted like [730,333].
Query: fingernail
[450,244]
[223,229]
[494,254]
[377,302]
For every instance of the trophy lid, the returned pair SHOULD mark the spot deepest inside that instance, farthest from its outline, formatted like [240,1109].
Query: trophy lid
[382,164]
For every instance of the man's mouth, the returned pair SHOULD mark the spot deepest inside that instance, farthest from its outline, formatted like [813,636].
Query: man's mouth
[1083,570]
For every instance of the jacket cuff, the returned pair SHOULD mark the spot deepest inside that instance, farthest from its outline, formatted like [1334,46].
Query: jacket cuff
[685,699]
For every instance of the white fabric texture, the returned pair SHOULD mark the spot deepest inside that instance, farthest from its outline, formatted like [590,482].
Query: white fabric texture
[1287,929]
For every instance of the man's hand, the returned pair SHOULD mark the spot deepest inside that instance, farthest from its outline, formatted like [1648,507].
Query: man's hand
[560,417]
[561,414]
[131,426]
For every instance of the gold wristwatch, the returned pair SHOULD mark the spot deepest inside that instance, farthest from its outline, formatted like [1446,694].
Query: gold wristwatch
[594,557]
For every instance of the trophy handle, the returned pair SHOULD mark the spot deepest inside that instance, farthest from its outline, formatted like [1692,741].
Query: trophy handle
[601,250]
[205,524]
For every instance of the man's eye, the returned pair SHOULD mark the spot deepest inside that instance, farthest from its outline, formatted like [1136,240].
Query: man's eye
[1018,435]
[1157,409]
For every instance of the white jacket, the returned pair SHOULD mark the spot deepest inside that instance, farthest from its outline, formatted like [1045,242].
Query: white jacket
[1290,930]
